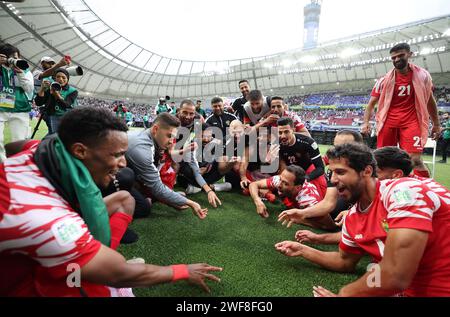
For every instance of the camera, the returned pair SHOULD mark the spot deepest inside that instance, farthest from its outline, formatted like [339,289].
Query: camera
[19,63]
[56,86]
[75,70]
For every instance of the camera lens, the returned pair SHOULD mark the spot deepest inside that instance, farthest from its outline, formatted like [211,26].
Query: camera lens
[56,86]
[19,63]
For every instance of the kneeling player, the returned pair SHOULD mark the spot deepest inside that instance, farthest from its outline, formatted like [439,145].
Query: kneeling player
[401,223]
[290,185]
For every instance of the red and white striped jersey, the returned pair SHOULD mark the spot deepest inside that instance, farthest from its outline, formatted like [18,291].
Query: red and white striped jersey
[298,124]
[42,239]
[307,196]
[406,203]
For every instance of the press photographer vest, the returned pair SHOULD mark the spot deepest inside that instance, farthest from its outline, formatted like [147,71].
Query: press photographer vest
[12,97]
[59,111]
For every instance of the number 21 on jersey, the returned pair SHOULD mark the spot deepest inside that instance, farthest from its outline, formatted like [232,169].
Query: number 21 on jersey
[403,89]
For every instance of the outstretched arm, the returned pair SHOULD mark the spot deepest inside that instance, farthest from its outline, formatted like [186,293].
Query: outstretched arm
[108,267]
[402,254]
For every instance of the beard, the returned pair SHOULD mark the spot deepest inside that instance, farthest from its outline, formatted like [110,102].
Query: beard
[401,64]
[355,192]
[185,122]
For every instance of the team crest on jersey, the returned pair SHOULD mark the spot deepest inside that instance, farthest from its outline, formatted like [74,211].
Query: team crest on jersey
[227,122]
[385,225]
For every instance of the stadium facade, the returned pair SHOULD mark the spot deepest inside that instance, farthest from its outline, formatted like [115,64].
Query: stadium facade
[117,68]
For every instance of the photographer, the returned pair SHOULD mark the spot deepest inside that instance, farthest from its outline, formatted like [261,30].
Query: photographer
[57,97]
[16,84]
[47,69]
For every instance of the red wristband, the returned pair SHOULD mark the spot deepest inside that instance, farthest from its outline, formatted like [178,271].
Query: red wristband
[180,272]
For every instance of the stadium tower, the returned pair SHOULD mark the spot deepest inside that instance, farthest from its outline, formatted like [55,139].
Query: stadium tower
[311,22]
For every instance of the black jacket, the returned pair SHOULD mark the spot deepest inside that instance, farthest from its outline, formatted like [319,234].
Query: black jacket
[54,106]
[222,122]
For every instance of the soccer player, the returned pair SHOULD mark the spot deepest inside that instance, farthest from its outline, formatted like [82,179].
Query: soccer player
[238,104]
[402,223]
[44,240]
[212,166]
[144,152]
[298,149]
[405,105]
[392,163]
[255,110]
[186,148]
[331,204]
[279,108]
[219,118]
[290,185]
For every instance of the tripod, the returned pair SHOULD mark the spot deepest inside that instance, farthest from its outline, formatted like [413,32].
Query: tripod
[36,128]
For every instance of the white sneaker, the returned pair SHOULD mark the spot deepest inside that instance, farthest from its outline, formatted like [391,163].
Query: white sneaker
[222,187]
[192,190]
[136,261]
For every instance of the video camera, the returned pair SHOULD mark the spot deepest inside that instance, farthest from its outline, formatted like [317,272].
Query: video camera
[19,63]
[56,86]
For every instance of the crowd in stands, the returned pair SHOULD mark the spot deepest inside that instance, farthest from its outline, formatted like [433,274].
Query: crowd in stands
[139,110]
[442,95]
[325,99]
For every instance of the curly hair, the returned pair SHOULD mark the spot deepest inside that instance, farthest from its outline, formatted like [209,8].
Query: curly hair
[393,157]
[359,156]
[88,125]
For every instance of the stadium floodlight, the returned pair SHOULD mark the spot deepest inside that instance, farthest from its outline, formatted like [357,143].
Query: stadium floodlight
[303,87]
[348,52]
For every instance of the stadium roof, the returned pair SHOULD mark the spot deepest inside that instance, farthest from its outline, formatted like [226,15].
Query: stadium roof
[117,68]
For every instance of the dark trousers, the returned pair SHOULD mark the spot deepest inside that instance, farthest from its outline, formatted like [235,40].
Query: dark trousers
[125,180]
[445,145]
[186,175]
[53,123]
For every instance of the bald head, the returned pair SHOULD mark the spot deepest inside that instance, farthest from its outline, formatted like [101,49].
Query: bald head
[236,128]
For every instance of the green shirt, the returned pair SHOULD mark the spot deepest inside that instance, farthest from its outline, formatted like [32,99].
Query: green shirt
[9,92]
[145,118]
[446,134]
[162,108]
[129,116]
[202,112]
[120,113]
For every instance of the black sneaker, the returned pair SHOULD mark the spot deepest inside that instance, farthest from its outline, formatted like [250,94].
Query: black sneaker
[443,161]
[129,237]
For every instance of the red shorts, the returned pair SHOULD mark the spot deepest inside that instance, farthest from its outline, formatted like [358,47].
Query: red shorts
[407,137]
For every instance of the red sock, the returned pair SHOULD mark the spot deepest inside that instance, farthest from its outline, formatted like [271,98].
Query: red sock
[118,223]
[425,174]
